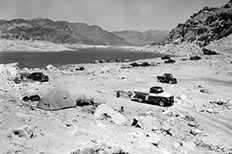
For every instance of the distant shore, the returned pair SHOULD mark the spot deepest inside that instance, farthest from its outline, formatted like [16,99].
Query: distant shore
[45,46]
[185,48]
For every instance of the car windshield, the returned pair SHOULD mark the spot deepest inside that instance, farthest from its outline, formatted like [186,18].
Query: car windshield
[156,90]
[159,90]
[168,75]
[38,74]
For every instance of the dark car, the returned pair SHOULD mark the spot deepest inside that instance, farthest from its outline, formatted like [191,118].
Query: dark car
[38,76]
[169,61]
[195,57]
[144,64]
[31,98]
[165,57]
[156,95]
[208,52]
[167,78]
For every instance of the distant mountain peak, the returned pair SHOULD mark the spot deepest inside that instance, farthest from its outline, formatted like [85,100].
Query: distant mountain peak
[143,38]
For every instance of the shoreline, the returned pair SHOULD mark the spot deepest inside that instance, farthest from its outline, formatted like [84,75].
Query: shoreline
[45,46]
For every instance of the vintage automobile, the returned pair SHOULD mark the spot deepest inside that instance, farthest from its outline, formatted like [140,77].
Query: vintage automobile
[38,76]
[31,98]
[167,78]
[165,57]
[143,64]
[195,57]
[156,95]
[169,61]
[208,52]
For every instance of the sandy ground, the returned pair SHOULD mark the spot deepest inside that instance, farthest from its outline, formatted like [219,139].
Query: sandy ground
[69,130]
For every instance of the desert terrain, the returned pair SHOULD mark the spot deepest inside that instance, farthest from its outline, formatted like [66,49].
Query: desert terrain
[195,123]
[100,120]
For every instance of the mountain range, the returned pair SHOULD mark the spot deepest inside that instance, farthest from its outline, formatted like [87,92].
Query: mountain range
[203,27]
[143,38]
[59,32]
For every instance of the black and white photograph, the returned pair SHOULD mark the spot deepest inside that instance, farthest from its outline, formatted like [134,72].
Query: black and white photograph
[115,76]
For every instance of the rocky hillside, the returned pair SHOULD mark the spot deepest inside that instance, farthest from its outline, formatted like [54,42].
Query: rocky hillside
[58,32]
[206,25]
[223,45]
[143,38]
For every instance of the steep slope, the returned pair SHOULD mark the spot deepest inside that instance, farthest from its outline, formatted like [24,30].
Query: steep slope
[223,45]
[206,25]
[143,38]
[58,32]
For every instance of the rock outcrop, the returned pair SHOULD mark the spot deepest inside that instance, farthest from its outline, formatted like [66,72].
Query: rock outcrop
[205,26]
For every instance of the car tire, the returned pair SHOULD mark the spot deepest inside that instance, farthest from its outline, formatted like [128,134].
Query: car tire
[140,100]
[161,103]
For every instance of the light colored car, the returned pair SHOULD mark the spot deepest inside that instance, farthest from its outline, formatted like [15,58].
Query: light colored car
[156,95]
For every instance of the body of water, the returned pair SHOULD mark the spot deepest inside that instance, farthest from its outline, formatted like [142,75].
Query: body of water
[42,59]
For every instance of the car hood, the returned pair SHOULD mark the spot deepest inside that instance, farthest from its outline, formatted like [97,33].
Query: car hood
[163,94]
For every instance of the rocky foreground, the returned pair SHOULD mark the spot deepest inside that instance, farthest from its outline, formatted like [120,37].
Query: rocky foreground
[198,122]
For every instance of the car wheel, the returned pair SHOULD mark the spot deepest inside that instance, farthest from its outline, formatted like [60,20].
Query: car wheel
[140,100]
[161,103]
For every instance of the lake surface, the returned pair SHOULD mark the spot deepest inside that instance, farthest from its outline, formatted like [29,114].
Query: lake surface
[42,59]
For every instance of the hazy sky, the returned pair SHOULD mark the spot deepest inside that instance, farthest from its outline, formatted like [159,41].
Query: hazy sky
[109,14]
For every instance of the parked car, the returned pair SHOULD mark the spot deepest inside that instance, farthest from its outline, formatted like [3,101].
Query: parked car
[31,98]
[156,95]
[208,52]
[195,57]
[143,64]
[38,76]
[169,61]
[167,78]
[165,57]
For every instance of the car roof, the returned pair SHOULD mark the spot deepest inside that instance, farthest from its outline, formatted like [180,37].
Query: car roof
[156,87]
[37,73]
